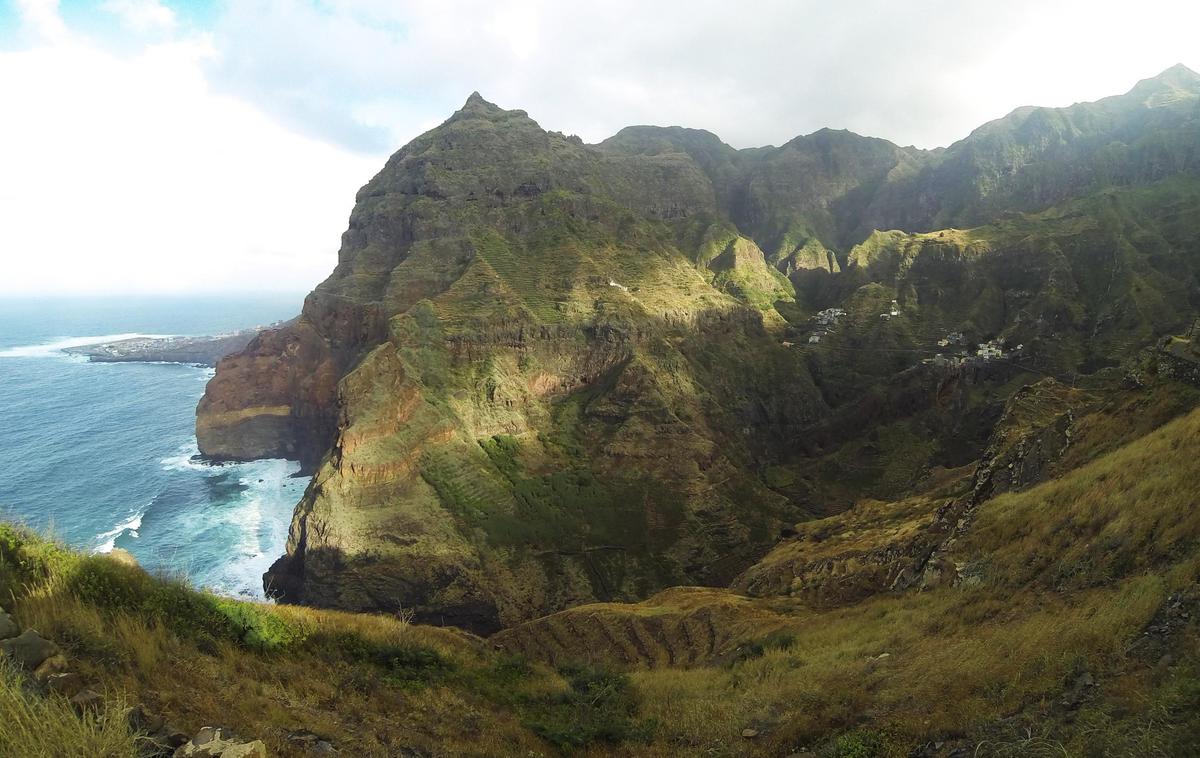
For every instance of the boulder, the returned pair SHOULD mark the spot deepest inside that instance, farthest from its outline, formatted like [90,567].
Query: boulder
[29,650]
[214,742]
[123,557]
[8,627]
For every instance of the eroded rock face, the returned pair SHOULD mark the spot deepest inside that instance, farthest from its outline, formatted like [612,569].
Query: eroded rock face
[517,391]
[276,398]
[1034,432]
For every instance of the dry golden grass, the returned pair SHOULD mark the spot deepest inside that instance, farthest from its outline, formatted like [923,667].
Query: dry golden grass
[33,726]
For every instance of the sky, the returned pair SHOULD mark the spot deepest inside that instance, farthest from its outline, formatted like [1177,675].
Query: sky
[149,146]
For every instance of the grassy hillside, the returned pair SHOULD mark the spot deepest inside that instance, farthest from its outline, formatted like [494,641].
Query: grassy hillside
[1058,619]
[1066,626]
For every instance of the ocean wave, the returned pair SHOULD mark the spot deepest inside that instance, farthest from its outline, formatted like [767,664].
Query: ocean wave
[186,460]
[261,519]
[246,529]
[54,349]
[109,539]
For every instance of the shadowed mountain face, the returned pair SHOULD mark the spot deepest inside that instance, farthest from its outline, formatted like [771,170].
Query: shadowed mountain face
[545,373]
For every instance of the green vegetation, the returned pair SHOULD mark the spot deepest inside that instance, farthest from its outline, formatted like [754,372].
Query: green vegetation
[599,707]
[266,671]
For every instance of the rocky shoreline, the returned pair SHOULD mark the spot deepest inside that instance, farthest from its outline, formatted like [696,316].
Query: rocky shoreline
[196,350]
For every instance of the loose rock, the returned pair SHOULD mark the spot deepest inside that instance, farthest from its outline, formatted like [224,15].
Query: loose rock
[29,649]
[214,742]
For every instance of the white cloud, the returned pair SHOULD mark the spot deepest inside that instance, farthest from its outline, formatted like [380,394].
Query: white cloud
[128,174]
[923,72]
[142,15]
[40,19]
[230,159]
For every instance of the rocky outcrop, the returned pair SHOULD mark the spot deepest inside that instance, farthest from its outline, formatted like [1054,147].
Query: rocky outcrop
[214,742]
[276,398]
[871,549]
[877,547]
[1034,432]
[29,650]
[1177,358]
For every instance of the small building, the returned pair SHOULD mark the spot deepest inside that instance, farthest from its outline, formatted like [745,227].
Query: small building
[990,350]
[814,339]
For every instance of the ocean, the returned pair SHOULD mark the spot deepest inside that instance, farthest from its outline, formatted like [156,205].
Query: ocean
[99,455]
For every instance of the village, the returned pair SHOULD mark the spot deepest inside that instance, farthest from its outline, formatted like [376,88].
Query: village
[954,348]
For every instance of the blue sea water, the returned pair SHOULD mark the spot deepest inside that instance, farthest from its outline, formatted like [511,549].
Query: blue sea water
[99,454]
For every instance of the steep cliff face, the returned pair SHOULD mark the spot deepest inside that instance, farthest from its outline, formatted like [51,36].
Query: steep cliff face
[545,373]
[533,390]
[276,398]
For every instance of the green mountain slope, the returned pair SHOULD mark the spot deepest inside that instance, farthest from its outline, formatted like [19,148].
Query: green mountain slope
[545,373]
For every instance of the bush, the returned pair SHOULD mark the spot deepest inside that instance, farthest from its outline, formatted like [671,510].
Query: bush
[26,559]
[255,626]
[599,707]
[857,744]
[109,585]
[405,666]
[118,588]
[747,651]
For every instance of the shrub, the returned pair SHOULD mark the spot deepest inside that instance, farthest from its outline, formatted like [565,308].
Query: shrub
[255,626]
[118,588]
[599,707]
[747,651]
[860,743]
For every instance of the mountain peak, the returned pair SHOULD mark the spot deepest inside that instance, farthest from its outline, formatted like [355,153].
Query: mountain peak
[1179,75]
[477,108]
[476,104]
[1177,81]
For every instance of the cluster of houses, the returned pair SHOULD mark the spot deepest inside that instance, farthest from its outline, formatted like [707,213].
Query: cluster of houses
[990,349]
[826,320]
[829,316]
[953,338]
[985,351]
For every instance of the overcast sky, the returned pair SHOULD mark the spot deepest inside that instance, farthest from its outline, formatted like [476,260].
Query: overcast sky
[153,146]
